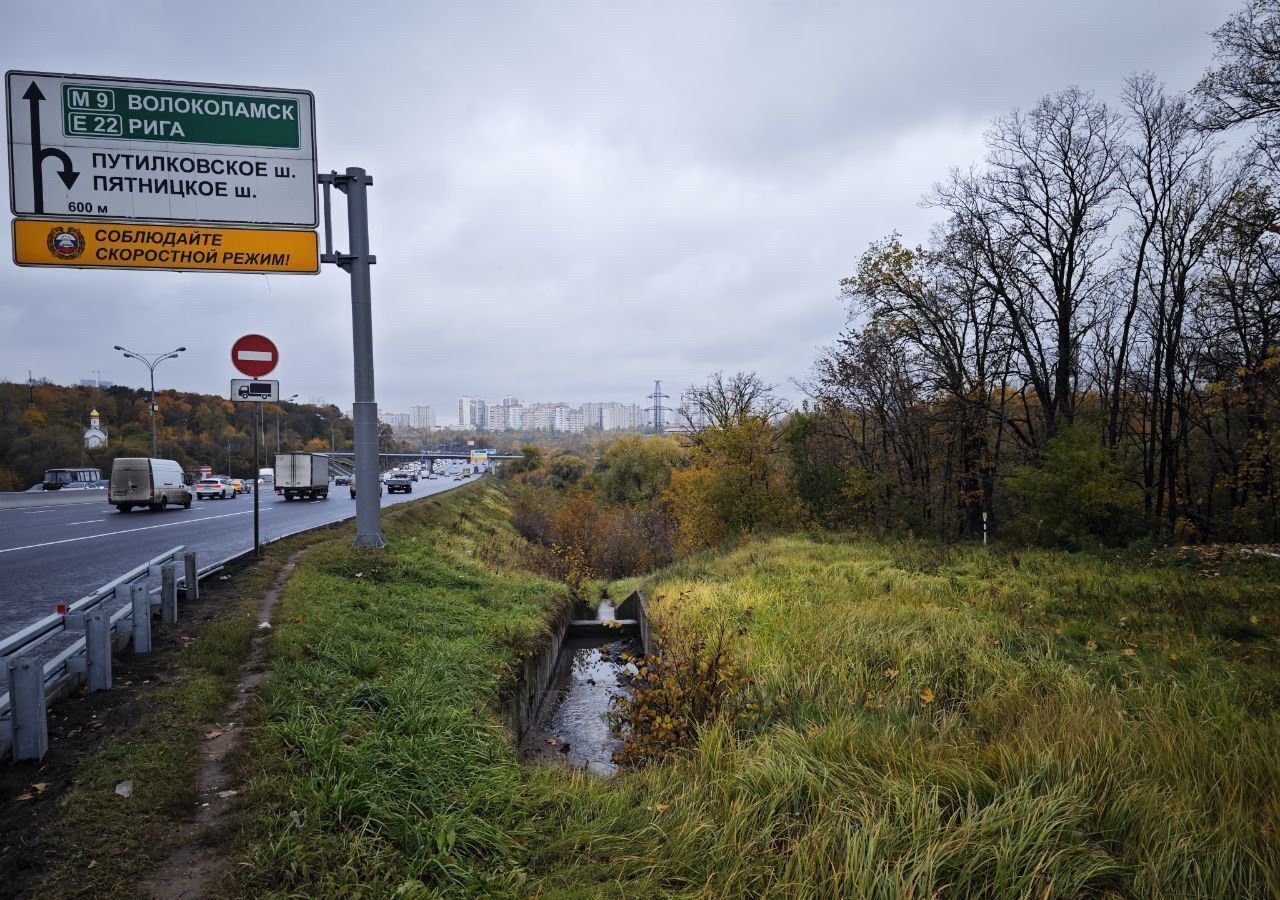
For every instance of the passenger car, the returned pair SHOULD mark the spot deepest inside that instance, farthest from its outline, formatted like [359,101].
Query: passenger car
[219,487]
[353,489]
[400,481]
[238,485]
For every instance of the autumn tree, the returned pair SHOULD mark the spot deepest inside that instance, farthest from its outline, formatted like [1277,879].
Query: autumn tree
[637,469]
[735,482]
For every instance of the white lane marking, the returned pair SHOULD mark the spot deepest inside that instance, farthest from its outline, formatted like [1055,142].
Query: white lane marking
[86,522]
[90,537]
[36,512]
[98,498]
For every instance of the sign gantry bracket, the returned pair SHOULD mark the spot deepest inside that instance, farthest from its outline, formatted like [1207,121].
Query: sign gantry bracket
[364,409]
[343,183]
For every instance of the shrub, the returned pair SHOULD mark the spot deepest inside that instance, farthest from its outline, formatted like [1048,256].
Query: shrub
[1078,496]
[692,684]
[637,469]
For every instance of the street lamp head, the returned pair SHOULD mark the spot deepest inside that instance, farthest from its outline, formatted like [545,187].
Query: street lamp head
[117,347]
[180,350]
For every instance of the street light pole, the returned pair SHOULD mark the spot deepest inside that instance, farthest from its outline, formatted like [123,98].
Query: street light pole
[286,400]
[151,362]
[332,444]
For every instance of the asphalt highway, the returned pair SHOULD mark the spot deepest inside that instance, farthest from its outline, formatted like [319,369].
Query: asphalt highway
[59,552]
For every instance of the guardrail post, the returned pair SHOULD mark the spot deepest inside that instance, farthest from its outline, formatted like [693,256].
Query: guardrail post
[192,591]
[141,603]
[169,593]
[98,648]
[26,695]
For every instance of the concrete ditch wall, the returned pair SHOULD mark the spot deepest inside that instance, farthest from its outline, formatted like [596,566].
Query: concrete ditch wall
[520,710]
[634,607]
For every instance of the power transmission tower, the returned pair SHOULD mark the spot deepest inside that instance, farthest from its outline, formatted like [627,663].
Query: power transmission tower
[659,418]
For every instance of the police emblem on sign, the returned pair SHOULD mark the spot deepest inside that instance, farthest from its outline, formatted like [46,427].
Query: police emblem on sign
[65,243]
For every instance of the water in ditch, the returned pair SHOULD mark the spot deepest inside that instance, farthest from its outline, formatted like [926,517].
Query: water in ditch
[572,727]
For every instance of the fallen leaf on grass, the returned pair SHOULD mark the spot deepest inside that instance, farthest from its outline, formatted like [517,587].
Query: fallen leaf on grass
[125,788]
[1091,645]
[97,724]
[93,863]
[891,674]
[226,794]
[27,796]
[926,696]
[662,807]
[40,787]
[1253,620]
[210,735]
[1128,651]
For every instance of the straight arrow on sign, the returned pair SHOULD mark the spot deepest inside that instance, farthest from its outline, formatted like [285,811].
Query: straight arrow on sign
[34,97]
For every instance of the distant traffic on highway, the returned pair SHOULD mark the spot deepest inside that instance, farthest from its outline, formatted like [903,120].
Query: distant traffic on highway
[58,549]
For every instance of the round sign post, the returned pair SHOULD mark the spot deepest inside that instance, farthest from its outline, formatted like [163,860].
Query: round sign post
[254,355]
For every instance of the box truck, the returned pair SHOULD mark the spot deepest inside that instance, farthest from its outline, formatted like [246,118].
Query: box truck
[302,475]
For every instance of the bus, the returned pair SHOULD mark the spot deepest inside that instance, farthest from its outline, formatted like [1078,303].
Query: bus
[57,479]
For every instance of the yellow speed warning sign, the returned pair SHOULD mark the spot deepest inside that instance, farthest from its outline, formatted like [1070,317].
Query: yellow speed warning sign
[184,248]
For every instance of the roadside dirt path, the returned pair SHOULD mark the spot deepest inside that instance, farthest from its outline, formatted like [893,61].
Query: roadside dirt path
[193,868]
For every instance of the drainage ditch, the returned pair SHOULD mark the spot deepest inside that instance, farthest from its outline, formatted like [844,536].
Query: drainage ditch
[579,675]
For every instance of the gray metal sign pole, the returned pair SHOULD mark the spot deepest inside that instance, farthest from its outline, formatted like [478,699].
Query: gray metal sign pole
[257,481]
[364,411]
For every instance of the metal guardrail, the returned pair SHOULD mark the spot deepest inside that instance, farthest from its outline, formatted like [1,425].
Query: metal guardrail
[32,682]
[23,723]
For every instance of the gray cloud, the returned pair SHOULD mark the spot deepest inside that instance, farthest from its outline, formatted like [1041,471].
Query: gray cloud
[572,199]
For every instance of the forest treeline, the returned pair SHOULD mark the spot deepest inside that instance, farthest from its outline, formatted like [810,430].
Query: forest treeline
[41,426]
[1085,351]
[1087,343]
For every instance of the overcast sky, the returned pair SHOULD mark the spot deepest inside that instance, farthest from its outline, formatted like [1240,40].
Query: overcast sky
[572,199]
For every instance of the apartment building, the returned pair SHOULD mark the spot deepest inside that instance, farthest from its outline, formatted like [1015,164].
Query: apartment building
[509,414]
[424,417]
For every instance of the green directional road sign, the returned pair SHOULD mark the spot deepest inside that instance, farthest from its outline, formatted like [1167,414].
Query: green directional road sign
[83,147]
[187,117]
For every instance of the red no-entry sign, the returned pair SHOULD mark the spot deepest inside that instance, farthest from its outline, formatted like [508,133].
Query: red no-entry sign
[254,355]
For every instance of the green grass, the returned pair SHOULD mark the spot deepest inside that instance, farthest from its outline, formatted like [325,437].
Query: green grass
[936,722]
[381,761]
[105,844]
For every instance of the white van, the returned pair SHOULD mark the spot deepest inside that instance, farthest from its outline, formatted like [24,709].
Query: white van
[140,481]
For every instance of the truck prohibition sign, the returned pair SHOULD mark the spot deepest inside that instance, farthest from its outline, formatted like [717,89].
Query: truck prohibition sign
[253,389]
